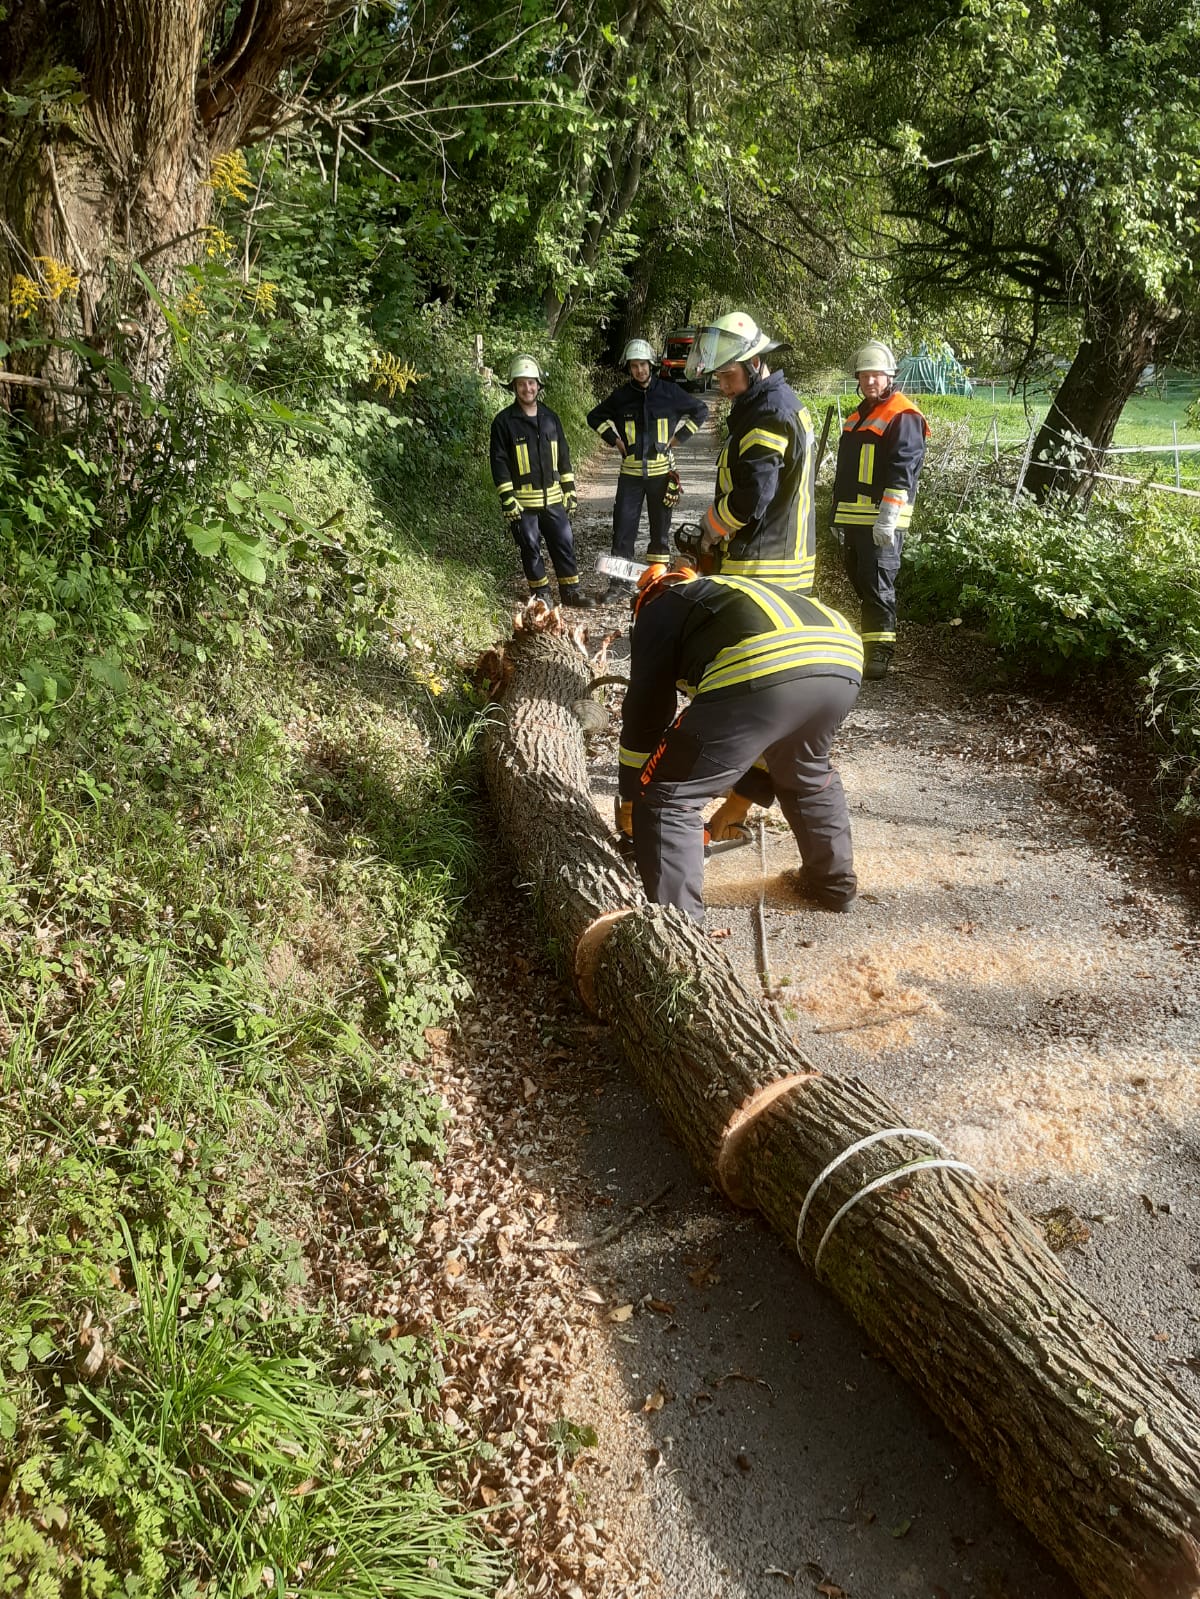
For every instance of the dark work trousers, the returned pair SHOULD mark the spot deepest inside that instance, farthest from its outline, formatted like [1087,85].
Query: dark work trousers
[552,524]
[791,726]
[873,574]
[627,515]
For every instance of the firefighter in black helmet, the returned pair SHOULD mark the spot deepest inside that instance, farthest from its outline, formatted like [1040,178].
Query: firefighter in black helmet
[531,468]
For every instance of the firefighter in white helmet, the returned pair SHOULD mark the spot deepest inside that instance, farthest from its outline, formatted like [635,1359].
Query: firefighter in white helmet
[762,521]
[879,461]
[531,468]
[644,419]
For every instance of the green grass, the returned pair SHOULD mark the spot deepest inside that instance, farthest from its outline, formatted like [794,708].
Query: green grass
[960,422]
[233,854]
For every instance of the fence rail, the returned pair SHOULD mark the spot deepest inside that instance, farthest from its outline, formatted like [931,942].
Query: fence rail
[1018,451]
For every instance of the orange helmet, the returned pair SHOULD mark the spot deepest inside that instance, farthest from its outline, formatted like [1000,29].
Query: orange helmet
[655,580]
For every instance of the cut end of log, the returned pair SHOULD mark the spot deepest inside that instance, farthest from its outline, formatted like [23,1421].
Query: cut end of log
[741,1125]
[587,953]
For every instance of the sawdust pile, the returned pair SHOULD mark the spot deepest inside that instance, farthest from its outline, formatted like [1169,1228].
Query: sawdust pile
[1074,1112]
[864,997]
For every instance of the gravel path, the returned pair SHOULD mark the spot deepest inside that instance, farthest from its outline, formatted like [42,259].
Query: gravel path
[1015,978]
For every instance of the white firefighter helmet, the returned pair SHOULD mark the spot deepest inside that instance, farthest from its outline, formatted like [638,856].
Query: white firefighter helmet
[524,366]
[638,350]
[736,336]
[874,357]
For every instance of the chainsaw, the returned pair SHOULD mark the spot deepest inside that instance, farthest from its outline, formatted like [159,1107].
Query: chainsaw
[738,839]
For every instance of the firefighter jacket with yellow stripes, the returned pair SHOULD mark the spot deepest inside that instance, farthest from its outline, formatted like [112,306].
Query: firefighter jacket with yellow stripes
[718,637]
[531,461]
[763,506]
[879,457]
[645,421]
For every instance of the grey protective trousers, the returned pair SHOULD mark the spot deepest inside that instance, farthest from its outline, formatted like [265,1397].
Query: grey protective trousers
[791,726]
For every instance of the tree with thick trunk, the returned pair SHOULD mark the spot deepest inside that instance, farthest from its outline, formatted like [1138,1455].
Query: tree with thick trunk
[1121,334]
[1050,156]
[114,114]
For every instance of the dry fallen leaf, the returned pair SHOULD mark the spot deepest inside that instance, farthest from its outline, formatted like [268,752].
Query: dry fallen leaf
[621,1313]
[654,1401]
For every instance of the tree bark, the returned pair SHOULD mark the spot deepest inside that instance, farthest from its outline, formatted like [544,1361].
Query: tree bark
[114,173]
[1121,331]
[1093,1449]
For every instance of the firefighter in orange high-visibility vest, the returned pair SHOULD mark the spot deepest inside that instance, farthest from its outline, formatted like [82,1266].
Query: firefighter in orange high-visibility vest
[878,463]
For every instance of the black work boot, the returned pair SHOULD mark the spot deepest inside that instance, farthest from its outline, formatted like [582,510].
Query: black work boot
[878,659]
[618,589]
[573,599]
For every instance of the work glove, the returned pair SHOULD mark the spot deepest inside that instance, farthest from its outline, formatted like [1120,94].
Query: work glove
[623,817]
[728,818]
[570,502]
[884,531]
[511,507]
[710,539]
[673,492]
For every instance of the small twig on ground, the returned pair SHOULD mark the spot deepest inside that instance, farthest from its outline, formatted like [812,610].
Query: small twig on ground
[872,1021]
[570,1246]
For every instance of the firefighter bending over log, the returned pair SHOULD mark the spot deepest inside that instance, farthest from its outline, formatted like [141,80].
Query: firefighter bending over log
[771,676]
[643,419]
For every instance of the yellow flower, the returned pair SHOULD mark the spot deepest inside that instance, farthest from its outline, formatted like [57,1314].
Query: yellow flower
[58,278]
[217,242]
[192,303]
[230,176]
[392,374]
[263,296]
[24,295]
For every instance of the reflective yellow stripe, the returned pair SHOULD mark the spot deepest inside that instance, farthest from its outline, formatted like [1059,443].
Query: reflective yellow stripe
[688,426]
[866,464]
[634,758]
[554,454]
[726,515]
[862,513]
[523,459]
[884,637]
[793,574]
[763,598]
[812,647]
[535,499]
[631,432]
[664,432]
[770,441]
[653,466]
[503,488]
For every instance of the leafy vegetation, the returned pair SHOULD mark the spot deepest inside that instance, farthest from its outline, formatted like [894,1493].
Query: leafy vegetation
[238,818]
[1064,589]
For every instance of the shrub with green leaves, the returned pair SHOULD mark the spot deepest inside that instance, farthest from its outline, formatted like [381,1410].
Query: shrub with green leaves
[1068,588]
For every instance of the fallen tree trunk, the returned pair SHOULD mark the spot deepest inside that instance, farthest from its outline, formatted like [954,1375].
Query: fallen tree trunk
[1095,1451]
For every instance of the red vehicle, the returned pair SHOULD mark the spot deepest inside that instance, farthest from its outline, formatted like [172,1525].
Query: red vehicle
[679,347]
